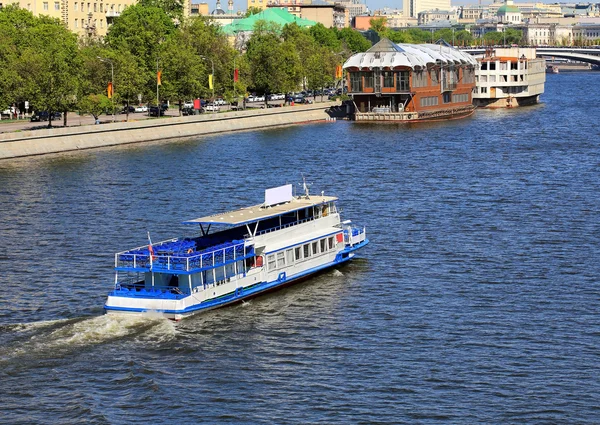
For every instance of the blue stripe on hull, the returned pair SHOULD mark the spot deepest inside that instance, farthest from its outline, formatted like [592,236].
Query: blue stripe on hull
[236,296]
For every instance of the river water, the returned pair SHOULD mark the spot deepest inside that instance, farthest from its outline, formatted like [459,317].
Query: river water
[477,300]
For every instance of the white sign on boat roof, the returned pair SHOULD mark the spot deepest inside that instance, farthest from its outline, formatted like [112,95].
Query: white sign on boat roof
[278,195]
[262,212]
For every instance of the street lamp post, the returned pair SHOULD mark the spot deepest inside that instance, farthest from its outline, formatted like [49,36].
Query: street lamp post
[112,84]
[213,80]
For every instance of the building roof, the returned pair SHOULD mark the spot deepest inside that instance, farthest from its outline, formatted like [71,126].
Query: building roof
[508,8]
[259,212]
[386,54]
[273,14]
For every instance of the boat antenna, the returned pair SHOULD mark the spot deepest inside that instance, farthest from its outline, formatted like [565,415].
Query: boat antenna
[305,186]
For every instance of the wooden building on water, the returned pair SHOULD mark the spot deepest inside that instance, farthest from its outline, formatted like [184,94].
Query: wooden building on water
[410,82]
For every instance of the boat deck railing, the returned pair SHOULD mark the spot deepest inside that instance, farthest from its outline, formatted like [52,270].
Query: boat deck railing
[285,226]
[139,290]
[354,235]
[181,256]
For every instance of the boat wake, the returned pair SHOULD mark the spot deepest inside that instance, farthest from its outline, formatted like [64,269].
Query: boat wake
[337,273]
[67,335]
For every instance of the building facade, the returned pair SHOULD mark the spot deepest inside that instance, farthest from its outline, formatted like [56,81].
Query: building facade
[85,18]
[411,8]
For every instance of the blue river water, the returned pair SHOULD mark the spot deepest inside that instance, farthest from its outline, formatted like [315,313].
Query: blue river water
[477,300]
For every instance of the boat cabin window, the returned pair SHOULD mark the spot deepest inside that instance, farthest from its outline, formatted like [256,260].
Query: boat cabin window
[306,250]
[298,252]
[331,244]
[323,246]
[271,261]
[280,259]
[289,256]
[315,247]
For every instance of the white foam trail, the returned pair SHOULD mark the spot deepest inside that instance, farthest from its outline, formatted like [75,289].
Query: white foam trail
[75,333]
[337,273]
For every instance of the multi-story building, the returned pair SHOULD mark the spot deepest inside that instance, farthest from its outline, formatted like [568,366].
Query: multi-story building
[330,15]
[430,16]
[411,8]
[470,14]
[354,7]
[82,17]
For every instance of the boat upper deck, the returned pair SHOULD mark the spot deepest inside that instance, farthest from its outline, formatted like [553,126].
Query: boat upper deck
[260,212]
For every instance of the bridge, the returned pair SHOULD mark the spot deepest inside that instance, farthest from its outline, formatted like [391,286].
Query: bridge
[589,55]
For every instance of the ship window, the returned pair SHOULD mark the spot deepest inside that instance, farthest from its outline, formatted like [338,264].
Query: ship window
[280,259]
[355,82]
[298,251]
[446,97]
[419,79]
[331,244]
[388,79]
[306,250]
[435,76]
[484,66]
[513,65]
[289,254]
[402,81]
[323,245]
[271,261]
[492,66]
[368,79]
[315,247]
[429,101]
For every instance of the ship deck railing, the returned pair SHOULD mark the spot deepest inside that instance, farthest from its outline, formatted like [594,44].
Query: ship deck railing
[284,226]
[354,235]
[185,260]
[140,290]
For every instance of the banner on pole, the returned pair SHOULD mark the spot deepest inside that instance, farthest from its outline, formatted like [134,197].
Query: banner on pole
[109,90]
[210,81]
[158,77]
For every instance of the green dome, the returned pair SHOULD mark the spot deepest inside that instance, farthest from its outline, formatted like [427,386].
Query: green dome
[504,9]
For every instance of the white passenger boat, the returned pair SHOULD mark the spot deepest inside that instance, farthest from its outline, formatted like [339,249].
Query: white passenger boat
[254,250]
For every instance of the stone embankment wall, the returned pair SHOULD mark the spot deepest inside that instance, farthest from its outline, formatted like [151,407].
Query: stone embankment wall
[45,141]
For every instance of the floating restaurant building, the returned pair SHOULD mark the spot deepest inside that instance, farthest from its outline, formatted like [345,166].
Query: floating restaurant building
[410,82]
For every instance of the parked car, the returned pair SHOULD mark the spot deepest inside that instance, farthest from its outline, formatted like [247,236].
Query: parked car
[141,108]
[220,101]
[212,108]
[188,111]
[130,108]
[189,104]
[44,116]
[155,111]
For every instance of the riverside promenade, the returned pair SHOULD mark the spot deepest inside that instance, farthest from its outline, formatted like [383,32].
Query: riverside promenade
[41,141]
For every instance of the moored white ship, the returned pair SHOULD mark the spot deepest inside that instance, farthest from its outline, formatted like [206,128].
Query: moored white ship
[255,250]
[509,77]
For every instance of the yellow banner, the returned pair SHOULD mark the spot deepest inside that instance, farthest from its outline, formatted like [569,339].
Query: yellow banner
[109,90]
[210,81]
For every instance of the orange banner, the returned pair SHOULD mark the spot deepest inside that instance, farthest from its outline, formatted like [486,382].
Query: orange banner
[109,90]
[158,75]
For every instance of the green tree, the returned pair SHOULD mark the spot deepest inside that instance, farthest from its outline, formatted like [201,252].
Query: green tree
[399,36]
[95,104]
[252,10]
[210,43]
[173,8]
[463,38]
[274,64]
[16,29]
[325,37]
[493,38]
[354,40]
[320,69]
[378,25]
[140,30]
[182,69]
[51,65]
[129,79]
